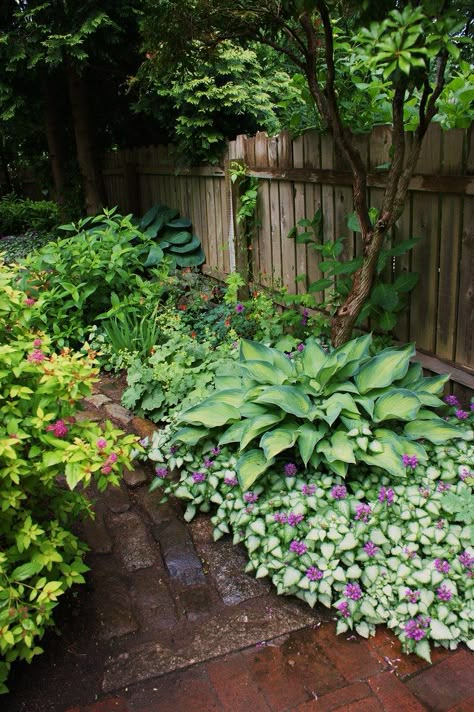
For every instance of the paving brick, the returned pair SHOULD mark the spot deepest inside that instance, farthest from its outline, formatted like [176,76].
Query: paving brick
[178,552]
[112,704]
[118,413]
[447,684]
[116,499]
[339,699]
[351,655]
[135,477]
[394,695]
[95,533]
[142,427]
[293,671]
[114,607]
[189,691]
[89,414]
[368,704]
[158,513]
[235,688]
[112,387]
[195,603]
[152,601]
[132,544]
[464,706]
[388,648]
[97,400]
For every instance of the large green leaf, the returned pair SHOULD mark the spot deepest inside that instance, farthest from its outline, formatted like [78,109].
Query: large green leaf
[190,246]
[337,403]
[231,396]
[342,447]
[211,413]
[433,384]
[436,431]
[291,399]
[388,460]
[400,445]
[193,259]
[385,296]
[398,403]
[381,370]
[234,433]
[279,439]
[179,223]
[253,351]
[155,256]
[150,216]
[355,352]
[308,438]
[177,238]
[264,372]
[257,426]
[314,357]
[250,465]
[190,435]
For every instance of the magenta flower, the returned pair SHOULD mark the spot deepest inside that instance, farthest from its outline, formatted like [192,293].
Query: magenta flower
[29,301]
[465,474]
[161,472]
[294,519]
[280,517]
[461,414]
[466,560]
[471,407]
[314,574]
[339,492]
[36,356]
[59,429]
[353,591]
[424,491]
[444,593]
[343,609]
[174,449]
[415,628]
[215,451]
[442,566]
[443,487]
[304,318]
[370,548]
[308,489]
[250,497]
[112,458]
[298,547]
[451,400]
[410,461]
[300,347]
[208,463]
[412,596]
[37,343]
[101,443]
[231,481]
[363,512]
[239,308]
[106,469]
[440,524]
[290,469]
[198,476]
[386,495]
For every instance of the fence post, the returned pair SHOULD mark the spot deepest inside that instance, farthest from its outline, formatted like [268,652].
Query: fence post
[240,233]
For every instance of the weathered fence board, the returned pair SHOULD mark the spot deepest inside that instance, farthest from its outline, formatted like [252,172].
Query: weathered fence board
[296,177]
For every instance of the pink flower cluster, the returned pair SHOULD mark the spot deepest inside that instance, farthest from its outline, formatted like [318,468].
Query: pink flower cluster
[59,429]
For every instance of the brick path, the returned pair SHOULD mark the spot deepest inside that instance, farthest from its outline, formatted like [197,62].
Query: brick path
[175,625]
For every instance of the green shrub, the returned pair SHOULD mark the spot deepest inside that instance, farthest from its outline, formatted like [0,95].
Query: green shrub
[20,215]
[45,454]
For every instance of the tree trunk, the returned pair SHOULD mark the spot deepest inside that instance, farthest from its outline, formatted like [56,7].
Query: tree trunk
[5,169]
[92,181]
[53,122]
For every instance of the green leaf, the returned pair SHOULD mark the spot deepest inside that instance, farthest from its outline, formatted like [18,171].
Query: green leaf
[179,222]
[388,460]
[193,259]
[279,439]
[314,357]
[264,372]
[254,351]
[250,466]
[291,577]
[422,649]
[385,296]
[387,321]
[353,223]
[234,433]
[320,284]
[190,435]
[398,403]
[406,281]
[185,248]
[342,447]
[436,431]
[381,370]
[177,239]
[257,426]
[210,414]
[25,571]
[439,631]
[308,438]
[291,399]
[155,256]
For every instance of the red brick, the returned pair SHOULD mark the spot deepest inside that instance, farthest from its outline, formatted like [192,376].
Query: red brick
[339,699]
[447,684]
[351,655]
[388,648]
[394,694]
[234,686]
[464,706]
[292,672]
[187,691]
[111,704]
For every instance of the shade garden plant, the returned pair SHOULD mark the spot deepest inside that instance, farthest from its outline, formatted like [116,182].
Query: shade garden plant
[343,482]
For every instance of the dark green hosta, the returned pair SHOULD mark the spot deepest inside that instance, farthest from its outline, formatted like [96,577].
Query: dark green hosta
[172,237]
[336,409]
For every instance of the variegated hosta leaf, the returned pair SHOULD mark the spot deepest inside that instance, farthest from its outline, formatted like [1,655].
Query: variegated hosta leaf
[388,366]
[397,403]
[211,414]
[402,446]
[233,434]
[291,399]
[354,352]
[388,460]
[264,372]
[279,439]
[342,447]
[436,431]
[250,465]
[190,435]
[314,357]
[433,385]
[257,426]
[309,436]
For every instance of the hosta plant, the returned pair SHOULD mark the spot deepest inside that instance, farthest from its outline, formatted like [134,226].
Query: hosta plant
[333,409]
[45,454]
[377,549]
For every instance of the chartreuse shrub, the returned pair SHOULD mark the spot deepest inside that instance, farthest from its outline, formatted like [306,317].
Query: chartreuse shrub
[45,454]
[337,409]
[375,547]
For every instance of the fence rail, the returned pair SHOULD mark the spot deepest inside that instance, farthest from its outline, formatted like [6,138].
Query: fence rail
[296,177]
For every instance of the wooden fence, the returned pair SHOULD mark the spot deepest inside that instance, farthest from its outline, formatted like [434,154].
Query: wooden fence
[298,176]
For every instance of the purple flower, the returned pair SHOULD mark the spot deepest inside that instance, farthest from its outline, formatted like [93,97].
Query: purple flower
[451,400]
[308,489]
[339,492]
[424,491]
[290,469]
[370,548]
[300,347]
[174,449]
[208,463]
[198,476]
[444,593]
[363,512]
[280,517]
[442,566]
[461,414]
[250,497]
[294,519]
[298,547]
[440,524]
[443,487]
[304,318]
[239,308]
[465,474]
[353,591]
[215,451]
[410,461]
[231,481]
[161,472]
[343,609]
[471,407]
[101,443]
[466,560]
[415,628]
[36,356]
[412,596]
[409,553]
[59,429]
[386,495]
[314,574]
